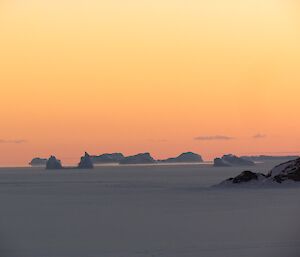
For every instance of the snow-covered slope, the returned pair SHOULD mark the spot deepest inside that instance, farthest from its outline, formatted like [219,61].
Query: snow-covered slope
[285,168]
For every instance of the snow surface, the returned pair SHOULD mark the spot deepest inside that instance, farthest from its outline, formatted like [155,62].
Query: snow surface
[144,211]
[284,168]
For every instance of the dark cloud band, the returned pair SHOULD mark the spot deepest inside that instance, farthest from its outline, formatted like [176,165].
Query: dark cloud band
[210,138]
[17,141]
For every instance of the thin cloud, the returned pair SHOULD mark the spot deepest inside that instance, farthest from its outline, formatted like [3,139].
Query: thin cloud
[259,136]
[211,138]
[16,141]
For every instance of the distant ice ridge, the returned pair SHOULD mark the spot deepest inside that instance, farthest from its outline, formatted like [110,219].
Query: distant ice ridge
[259,158]
[285,173]
[146,158]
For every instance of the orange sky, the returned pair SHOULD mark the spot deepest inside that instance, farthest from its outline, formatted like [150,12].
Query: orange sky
[137,75]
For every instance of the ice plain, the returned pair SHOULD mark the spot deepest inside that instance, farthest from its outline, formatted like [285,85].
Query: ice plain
[145,211]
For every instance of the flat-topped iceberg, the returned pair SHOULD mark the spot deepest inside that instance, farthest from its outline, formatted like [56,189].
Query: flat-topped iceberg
[38,161]
[188,157]
[107,158]
[142,158]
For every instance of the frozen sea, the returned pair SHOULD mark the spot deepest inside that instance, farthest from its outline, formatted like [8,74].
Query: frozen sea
[144,211]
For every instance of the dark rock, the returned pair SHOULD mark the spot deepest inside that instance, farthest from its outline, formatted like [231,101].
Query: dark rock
[286,171]
[53,164]
[246,176]
[142,158]
[107,158]
[293,176]
[188,157]
[38,162]
[85,162]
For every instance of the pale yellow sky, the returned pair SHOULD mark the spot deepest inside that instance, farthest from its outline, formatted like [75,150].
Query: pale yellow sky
[136,76]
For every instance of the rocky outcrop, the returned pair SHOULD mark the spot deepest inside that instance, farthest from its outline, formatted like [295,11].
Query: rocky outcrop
[187,157]
[86,162]
[53,163]
[288,171]
[245,177]
[283,173]
[38,162]
[232,160]
[142,158]
[107,158]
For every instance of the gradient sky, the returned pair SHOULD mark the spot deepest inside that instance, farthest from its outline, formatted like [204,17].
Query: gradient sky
[163,76]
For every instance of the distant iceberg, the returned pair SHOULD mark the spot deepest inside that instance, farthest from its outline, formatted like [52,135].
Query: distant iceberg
[142,158]
[107,158]
[86,162]
[53,163]
[38,161]
[232,160]
[188,157]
